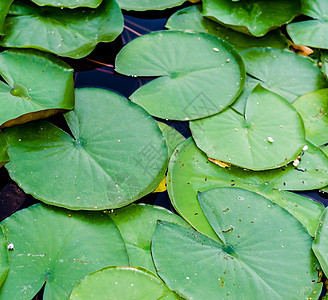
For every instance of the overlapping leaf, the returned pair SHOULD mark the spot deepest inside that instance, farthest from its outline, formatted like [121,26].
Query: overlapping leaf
[200,74]
[265,252]
[72,33]
[190,171]
[37,85]
[268,136]
[4,264]
[69,3]
[57,248]
[143,5]
[3,150]
[4,9]
[108,163]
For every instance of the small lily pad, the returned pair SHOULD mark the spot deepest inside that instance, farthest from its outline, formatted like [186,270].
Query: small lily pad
[142,5]
[311,32]
[191,18]
[4,264]
[120,161]
[313,107]
[268,136]
[37,85]
[116,283]
[190,171]
[265,252]
[67,32]
[172,137]
[3,150]
[57,248]
[193,83]
[283,72]
[4,9]
[69,3]
[137,223]
[255,17]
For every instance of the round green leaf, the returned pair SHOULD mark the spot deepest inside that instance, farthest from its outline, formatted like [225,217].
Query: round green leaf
[72,33]
[37,86]
[57,248]
[4,264]
[4,9]
[270,135]
[313,107]
[311,32]
[190,171]
[137,224]
[320,243]
[108,163]
[3,150]
[266,253]
[143,5]
[255,17]
[116,283]
[191,18]
[200,74]
[69,3]
[285,73]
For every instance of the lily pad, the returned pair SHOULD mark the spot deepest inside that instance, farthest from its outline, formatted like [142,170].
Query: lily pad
[120,161]
[192,84]
[191,18]
[4,9]
[285,73]
[268,136]
[4,264]
[137,224]
[116,283]
[66,32]
[311,32]
[254,17]
[57,248]
[37,86]
[3,150]
[266,253]
[320,243]
[172,137]
[142,5]
[190,171]
[69,3]
[313,107]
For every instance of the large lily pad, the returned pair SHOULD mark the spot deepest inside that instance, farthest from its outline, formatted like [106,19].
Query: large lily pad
[4,9]
[66,32]
[137,224]
[4,264]
[313,107]
[191,18]
[108,163]
[283,72]
[255,17]
[311,32]
[268,136]
[143,5]
[265,254]
[3,150]
[320,243]
[193,84]
[37,85]
[190,171]
[57,248]
[69,3]
[116,283]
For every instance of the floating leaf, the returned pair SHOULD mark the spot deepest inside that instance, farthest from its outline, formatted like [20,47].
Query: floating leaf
[137,224]
[311,32]
[190,171]
[4,264]
[116,282]
[191,18]
[4,9]
[120,161]
[69,3]
[37,85]
[266,252]
[268,136]
[283,72]
[3,150]
[57,248]
[193,83]
[320,243]
[72,33]
[143,5]
[255,17]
